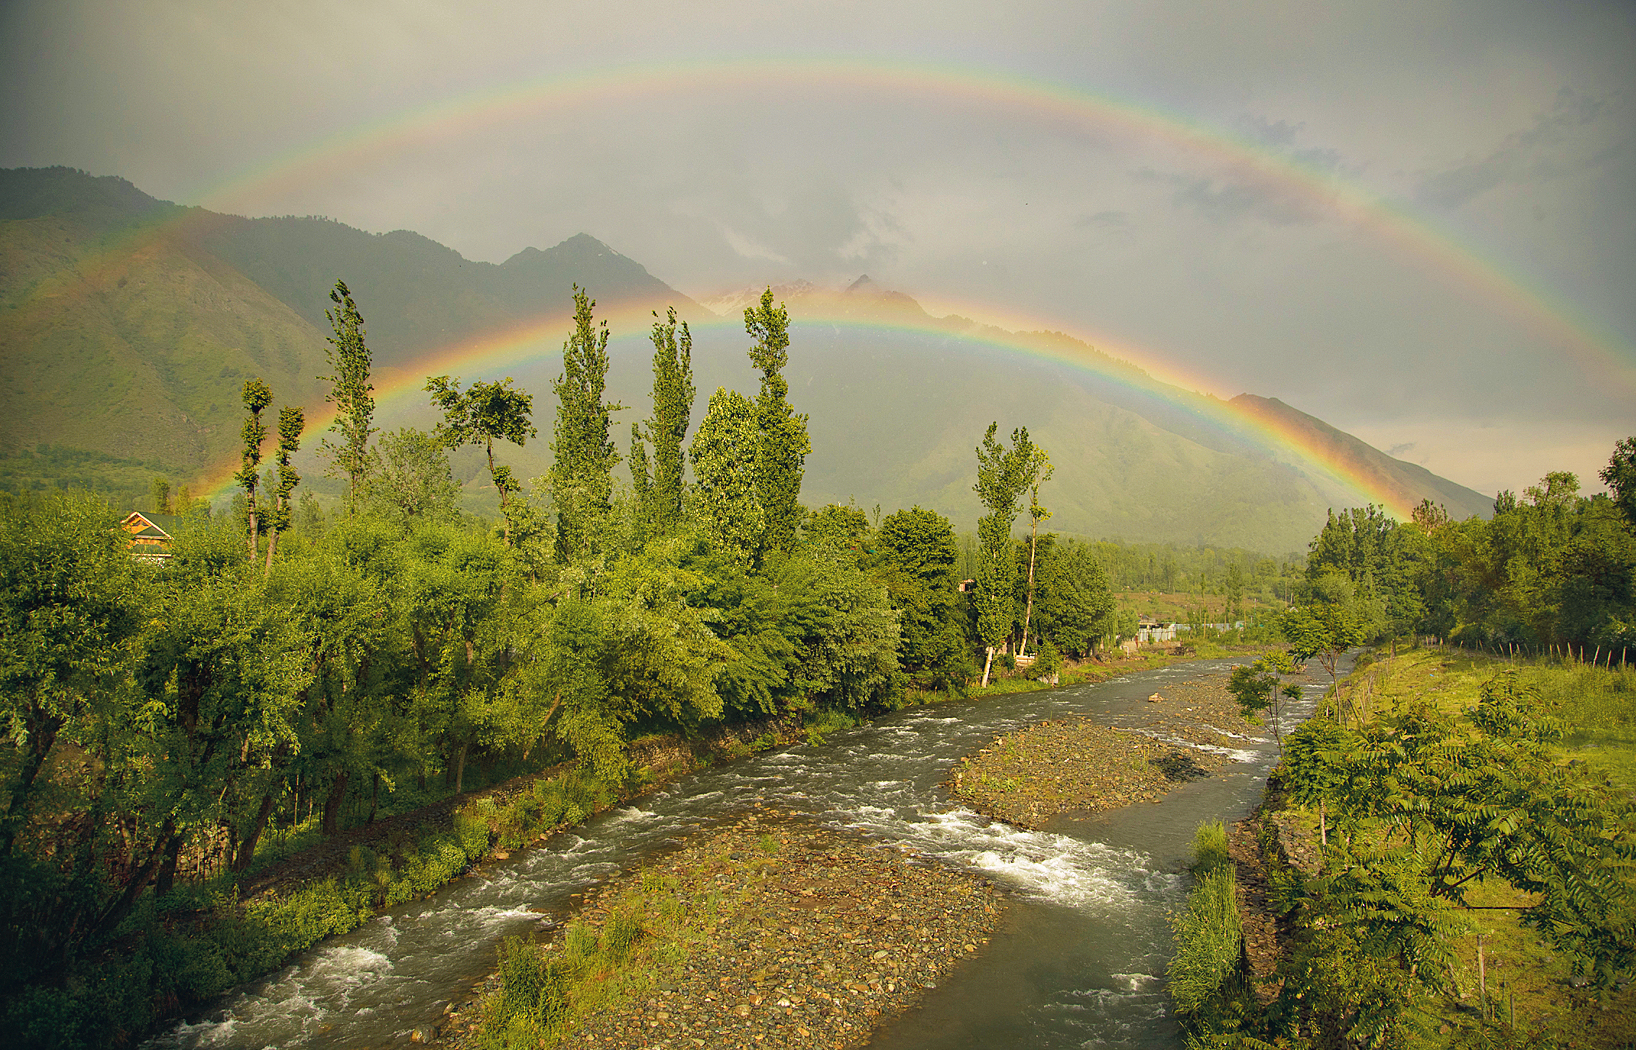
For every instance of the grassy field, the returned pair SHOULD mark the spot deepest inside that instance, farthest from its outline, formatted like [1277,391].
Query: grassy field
[1523,976]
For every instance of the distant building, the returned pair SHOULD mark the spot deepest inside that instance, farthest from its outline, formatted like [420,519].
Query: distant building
[150,534]
[1149,631]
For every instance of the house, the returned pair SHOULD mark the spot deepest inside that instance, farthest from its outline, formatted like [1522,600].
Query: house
[1149,631]
[150,533]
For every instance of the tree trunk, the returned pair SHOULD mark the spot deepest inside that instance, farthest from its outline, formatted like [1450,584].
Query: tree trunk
[246,851]
[42,734]
[168,840]
[374,797]
[272,536]
[1028,610]
[460,769]
[167,871]
[988,663]
[332,806]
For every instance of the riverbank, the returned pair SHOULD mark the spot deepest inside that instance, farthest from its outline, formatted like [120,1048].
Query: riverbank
[766,932]
[1499,979]
[1029,776]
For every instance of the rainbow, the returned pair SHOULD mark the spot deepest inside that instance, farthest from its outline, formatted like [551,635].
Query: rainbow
[1036,100]
[493,352]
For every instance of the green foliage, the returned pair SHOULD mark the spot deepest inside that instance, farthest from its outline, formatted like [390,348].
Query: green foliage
[1210,848]
[673,395]
[1002,474]
[291,422]
[1207,974]
[725,450]
[783,445]
[350,392]
[409,477]
[482,415]
[583,451]
[1620,478]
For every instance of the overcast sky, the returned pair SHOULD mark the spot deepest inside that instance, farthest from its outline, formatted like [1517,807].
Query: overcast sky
[1437,251]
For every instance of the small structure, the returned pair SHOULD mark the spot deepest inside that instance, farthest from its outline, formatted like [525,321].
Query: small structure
[1149,631]
[150,534]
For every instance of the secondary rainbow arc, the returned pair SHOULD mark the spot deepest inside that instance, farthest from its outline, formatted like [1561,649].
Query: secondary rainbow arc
[1438,250]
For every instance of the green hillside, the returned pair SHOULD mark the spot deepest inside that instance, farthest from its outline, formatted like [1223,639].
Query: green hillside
[129,325]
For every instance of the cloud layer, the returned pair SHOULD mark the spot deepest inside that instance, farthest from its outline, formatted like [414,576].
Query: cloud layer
[1221,199]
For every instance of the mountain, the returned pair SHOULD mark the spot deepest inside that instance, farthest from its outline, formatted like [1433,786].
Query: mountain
[128,326]
[1408,483]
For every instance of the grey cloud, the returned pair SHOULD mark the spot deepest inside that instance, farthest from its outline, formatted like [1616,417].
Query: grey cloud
[1538,152]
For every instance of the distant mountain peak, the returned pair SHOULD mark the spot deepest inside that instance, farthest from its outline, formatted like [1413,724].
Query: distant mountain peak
[863,284]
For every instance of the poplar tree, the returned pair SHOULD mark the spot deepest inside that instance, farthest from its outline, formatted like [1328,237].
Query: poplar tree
[291,421]
[1040,471]
[584,454]
[1002,474]
[481,415]
[350,392]
[782,451]
[673,395]
[256,398]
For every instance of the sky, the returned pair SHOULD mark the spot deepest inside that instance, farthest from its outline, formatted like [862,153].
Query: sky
[1414,221]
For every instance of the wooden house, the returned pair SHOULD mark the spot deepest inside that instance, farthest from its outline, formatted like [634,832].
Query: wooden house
[150,533]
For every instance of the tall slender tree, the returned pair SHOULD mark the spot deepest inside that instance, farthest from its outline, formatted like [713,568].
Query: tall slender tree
[584,454]
[256,398]
[1040,471]
[1002,474]
[782,452]
[481,415]
[350,393]
[291,421]
[673,395]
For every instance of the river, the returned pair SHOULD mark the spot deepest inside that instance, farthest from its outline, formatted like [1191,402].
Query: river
[1078,960]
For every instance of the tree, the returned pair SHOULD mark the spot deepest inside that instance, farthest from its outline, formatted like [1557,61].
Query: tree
[291,422]
[673,395]
[1040,471]
[918,548]
[1620,478]
[1002,474]
[350,393]
[1258,686]
[584,454]
[409,476]
[481,415]
[256,398]
[161,495]
[69,603]
[724,452]
[783,446]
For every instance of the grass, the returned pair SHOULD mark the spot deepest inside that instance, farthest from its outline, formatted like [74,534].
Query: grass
[1207,976]
[1524,976]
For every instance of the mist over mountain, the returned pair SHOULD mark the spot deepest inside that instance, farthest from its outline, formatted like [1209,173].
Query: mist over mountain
[128,326]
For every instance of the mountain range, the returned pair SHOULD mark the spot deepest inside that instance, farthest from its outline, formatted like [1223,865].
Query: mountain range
[128,326]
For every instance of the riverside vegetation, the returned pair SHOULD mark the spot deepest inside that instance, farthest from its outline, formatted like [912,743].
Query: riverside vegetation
[178,730]
[1447,852]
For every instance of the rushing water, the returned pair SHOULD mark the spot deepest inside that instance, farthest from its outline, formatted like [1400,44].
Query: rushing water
[1077,962]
